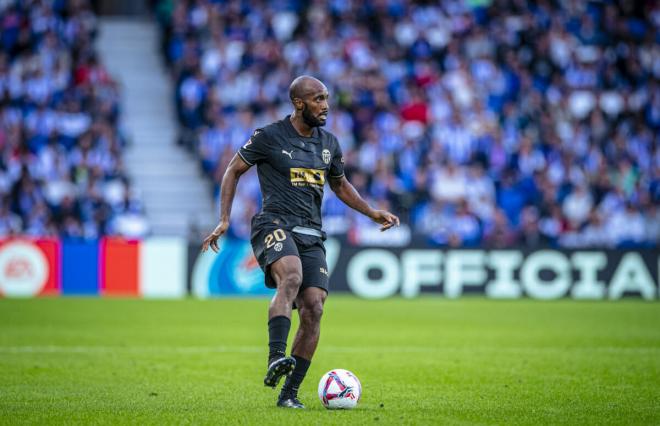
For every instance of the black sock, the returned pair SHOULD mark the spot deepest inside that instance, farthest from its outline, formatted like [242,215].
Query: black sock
[293,382]
[278,331]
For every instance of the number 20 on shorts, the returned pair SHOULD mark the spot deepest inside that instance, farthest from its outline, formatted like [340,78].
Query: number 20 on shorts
[276,235]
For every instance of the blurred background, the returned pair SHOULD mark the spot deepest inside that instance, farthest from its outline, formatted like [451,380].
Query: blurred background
[511,124]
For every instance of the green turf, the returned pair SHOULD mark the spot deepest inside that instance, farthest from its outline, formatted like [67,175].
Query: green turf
[423,361]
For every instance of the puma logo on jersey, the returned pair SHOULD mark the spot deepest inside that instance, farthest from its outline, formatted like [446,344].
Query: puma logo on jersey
[290,154]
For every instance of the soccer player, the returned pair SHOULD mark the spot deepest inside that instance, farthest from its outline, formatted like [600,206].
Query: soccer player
[294,158]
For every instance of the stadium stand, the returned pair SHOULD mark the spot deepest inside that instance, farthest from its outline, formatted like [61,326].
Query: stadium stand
[61,171]
[479,122]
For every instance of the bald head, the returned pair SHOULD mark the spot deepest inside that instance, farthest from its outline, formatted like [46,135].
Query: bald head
[305,85]
[310,99]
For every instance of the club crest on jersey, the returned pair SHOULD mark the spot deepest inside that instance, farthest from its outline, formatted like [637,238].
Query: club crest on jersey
[326,156]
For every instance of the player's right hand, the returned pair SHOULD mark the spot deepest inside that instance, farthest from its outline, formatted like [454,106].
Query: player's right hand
[212,239]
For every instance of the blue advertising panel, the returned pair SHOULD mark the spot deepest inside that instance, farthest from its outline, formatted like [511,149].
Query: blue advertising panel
[80,267]
[232,272]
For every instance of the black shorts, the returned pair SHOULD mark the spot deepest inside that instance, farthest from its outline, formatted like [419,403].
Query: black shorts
[271,242]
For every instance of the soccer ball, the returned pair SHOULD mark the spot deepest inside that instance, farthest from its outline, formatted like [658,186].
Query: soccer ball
[339,389]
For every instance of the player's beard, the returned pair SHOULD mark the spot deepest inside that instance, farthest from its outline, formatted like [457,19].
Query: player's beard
[309,118]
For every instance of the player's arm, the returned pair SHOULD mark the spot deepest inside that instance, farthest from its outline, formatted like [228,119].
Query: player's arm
[349,195]
[237,166]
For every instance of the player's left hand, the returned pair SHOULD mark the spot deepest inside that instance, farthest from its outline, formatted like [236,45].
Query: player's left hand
[385,218]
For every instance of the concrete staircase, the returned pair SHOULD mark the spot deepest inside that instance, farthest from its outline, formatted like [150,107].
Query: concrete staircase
[175,194]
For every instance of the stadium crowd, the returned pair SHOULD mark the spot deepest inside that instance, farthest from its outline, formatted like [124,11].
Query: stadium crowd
[480,123]
[61,171]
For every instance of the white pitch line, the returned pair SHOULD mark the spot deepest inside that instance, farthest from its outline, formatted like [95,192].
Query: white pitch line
[130,349]
[326,349]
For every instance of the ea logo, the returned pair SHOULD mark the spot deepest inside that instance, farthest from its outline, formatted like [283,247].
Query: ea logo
[278,247]
[326,156]
[23,269]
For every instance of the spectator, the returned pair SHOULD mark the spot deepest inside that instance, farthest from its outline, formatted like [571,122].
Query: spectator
[627,227]
[577,206]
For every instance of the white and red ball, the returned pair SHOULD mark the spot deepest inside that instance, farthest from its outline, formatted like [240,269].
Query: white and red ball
[339,389]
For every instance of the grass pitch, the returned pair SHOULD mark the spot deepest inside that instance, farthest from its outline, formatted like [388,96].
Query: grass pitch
[423,361]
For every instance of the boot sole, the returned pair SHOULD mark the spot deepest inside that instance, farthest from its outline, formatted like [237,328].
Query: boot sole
[280,369]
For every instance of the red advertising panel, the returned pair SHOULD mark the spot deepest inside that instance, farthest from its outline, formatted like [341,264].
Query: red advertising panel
[119,267]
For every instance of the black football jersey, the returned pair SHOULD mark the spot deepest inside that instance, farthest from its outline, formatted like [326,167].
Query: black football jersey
[293,170]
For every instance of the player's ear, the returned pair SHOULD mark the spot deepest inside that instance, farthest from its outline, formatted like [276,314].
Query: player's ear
[298,104]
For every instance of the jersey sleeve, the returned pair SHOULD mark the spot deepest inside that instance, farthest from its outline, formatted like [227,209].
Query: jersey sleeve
[255,149]
[337,163]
